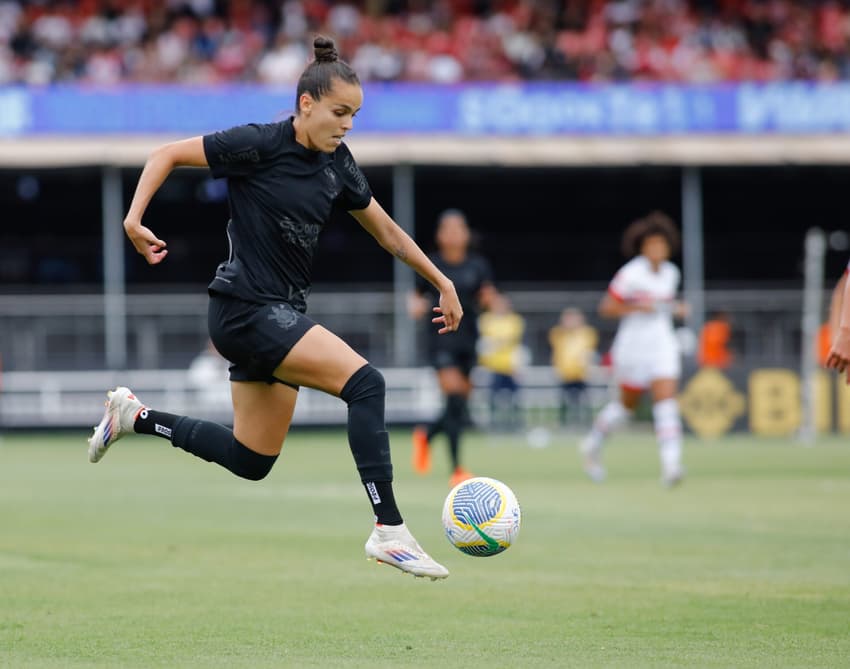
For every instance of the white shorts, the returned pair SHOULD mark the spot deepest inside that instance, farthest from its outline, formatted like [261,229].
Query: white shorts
[637,369]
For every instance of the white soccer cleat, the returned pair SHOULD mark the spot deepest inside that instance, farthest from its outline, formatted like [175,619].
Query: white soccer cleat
[672,476]
[595,471]
[394,545]
[122,409]
[592,454]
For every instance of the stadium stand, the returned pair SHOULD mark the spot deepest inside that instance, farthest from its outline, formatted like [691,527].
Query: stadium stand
[107,42]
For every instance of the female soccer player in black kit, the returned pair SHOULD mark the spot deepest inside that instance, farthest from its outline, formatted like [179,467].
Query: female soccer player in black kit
[284,179]
[452,357]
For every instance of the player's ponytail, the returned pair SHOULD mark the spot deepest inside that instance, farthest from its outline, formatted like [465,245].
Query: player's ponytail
[318,76]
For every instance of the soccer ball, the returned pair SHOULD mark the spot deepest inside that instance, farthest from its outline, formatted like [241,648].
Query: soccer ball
[481,517]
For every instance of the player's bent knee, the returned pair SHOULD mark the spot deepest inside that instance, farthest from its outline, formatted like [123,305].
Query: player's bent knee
[364,383]
[249,464]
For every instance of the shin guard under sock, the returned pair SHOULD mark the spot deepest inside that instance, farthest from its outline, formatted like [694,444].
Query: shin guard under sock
[216,443]
[365,394]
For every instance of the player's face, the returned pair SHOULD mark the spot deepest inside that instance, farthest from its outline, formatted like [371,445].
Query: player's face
[453,233]
[655,248]
[571,320]
[326,121]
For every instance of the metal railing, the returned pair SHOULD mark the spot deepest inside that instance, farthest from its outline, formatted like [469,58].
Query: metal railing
[166,331]
[75,399]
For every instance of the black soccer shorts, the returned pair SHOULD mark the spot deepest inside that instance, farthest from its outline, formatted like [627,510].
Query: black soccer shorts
[444,357]
[255,338]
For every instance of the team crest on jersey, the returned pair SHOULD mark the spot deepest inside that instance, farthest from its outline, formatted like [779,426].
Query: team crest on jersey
[284,315]
[334,187]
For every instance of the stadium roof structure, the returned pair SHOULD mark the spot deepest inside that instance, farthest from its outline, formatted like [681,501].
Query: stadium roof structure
[50,151]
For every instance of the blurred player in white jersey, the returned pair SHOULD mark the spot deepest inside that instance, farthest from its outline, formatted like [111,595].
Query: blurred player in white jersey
[645,353]
[839,322]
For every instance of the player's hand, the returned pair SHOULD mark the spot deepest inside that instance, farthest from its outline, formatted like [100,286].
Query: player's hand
[839,355]
[681,310]
[146,243]
[449,312]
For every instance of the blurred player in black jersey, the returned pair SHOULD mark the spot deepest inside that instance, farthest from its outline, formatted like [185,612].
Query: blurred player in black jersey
[453,357]
[284,179]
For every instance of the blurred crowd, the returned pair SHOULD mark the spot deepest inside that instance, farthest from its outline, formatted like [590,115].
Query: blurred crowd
[105,42]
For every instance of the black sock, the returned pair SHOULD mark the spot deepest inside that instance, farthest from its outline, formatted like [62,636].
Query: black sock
[157,423]
[208,441]
[454,448]
[455,410]
[383,502]
[365,394]
[437,426]
[215,443]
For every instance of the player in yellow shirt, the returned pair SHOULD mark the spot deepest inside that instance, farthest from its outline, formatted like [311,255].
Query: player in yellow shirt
[573,345]
[500,351]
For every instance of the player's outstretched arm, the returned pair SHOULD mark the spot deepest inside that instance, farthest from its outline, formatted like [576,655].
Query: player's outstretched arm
[611,307]
[391,237]
[839,355]
[163,159]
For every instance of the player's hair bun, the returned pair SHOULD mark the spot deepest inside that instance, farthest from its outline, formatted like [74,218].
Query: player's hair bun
[319,76]
[325,50]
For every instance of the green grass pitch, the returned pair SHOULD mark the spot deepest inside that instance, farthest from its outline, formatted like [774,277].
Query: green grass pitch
[153,558]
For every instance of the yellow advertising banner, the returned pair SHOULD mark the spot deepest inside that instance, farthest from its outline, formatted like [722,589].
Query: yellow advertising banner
[711,403]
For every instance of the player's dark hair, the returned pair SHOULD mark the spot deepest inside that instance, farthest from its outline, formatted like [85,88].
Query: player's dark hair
[654,223]
[318,77]
[446,213]
[474,235]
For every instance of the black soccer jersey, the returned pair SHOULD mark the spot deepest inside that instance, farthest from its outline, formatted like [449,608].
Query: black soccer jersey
[281,196]
[468,277]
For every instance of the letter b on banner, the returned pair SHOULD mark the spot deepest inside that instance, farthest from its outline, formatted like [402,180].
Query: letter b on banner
[774,402]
